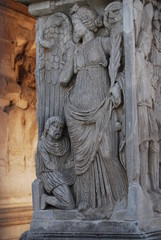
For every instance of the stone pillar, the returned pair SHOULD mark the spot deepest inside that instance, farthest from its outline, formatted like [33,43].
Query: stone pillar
[139,206]
[132,151]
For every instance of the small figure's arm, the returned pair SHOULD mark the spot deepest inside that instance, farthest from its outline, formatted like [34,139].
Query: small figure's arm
[70,163]
[68,70]
[46,158]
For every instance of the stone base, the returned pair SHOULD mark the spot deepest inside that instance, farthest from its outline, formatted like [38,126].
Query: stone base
[66,225]
[78,236]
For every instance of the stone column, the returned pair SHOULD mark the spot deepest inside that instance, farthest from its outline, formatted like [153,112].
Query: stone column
[138,205]
[132,151]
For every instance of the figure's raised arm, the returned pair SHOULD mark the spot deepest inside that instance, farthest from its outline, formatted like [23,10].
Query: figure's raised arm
[68,70]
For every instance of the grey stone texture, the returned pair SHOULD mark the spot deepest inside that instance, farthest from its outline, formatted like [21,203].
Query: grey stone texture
[69,225]
[98,72]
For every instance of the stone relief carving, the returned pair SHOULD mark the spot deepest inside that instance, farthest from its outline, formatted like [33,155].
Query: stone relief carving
[148,127]
[155,57]
[113,21]
[81,76]
[55,168]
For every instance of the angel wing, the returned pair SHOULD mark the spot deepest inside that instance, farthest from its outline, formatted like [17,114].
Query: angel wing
[54,34]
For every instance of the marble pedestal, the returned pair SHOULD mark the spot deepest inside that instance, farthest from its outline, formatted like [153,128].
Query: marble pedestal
[65,225]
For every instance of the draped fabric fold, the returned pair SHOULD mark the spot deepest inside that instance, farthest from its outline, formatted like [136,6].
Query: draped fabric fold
[90,117]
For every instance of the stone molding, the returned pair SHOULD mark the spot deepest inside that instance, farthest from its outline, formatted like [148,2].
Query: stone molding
[15,216]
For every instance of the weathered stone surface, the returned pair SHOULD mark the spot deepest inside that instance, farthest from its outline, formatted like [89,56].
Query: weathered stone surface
[98,67]
[58,224]
[37,190]
[147,236]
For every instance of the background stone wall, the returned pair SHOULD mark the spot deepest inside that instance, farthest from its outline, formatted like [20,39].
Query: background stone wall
[18,127]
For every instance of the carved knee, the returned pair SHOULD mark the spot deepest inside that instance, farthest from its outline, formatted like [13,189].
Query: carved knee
[64,195]
[154,146]
[144,146]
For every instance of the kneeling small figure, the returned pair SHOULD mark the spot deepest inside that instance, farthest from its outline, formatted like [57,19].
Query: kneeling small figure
[53,155]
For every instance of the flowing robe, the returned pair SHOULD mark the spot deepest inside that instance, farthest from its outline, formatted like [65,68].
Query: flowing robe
[101,179]
[58,154]
[148,129]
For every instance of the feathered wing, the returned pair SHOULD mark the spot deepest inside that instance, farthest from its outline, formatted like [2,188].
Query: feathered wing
[53,38]
[54,35]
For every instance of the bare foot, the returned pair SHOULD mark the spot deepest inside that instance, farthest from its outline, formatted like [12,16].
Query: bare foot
[43,201]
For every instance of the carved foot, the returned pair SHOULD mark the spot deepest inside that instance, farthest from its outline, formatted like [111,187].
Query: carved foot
[43,201]
[156,200]
[83,206]
[158,191]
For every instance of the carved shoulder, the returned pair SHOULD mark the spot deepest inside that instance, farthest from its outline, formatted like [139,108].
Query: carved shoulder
[106,44]
[45,156]
[42,151]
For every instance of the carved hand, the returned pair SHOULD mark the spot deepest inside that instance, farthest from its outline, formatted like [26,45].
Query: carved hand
[63,79]
[116,95]
[51,166]
[69,164]
[154,82]
[118,126]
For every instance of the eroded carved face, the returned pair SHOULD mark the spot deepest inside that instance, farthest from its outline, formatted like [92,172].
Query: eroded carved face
[55,131]
[79,28]
[115,16]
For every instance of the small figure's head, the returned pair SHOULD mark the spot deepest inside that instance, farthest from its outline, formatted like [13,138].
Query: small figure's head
[157,19]
[54,127]
[113,14]
[144,43]
[84,19]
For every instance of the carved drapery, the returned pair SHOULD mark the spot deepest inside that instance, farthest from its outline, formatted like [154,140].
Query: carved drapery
[101,73]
